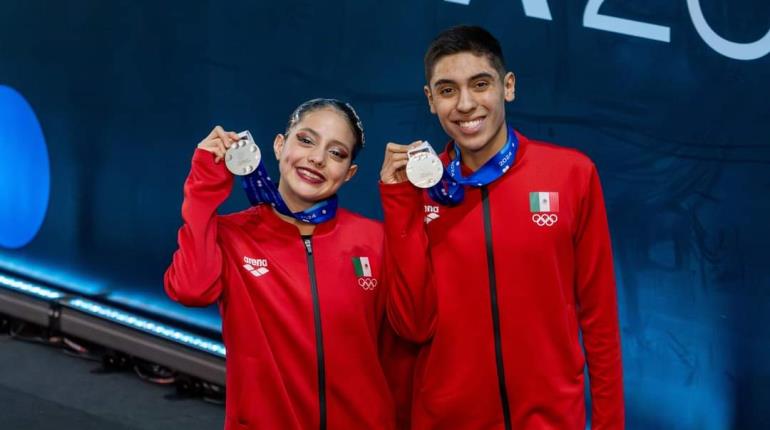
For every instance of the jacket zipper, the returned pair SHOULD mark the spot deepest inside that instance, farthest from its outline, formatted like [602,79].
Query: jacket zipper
[319,340]
[495,308]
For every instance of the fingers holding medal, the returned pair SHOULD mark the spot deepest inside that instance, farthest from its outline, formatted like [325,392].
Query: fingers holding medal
[423,167]
[218,141]
[394,163]
[243,156]
[240,152]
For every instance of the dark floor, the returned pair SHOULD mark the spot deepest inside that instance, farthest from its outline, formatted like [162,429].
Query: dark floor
[42,388]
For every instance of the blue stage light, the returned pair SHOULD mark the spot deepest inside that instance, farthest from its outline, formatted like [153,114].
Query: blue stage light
[30,288]
[63,276]
[147,326]
[24,171]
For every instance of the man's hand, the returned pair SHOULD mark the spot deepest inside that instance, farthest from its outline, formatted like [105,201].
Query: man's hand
[394,165]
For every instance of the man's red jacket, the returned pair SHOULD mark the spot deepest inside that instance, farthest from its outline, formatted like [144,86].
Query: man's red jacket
[498,289]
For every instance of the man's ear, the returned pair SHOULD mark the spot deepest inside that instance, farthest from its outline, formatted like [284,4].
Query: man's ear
[429,96]
[509,83]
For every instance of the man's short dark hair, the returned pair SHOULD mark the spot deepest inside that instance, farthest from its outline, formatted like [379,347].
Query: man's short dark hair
[464,38]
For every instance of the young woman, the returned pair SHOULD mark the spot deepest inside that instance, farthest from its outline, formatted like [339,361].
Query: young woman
[297,280]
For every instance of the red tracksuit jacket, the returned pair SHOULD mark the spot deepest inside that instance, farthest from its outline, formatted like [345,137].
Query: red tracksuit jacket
[303,330]
[497,289]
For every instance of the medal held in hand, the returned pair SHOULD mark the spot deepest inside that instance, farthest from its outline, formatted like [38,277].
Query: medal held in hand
[243,156]
[424,168]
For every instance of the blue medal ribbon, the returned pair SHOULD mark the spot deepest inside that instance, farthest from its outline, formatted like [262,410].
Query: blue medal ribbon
[450,190]
[261,189]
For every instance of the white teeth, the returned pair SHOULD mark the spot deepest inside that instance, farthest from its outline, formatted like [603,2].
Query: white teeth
[470,124]
[311,175]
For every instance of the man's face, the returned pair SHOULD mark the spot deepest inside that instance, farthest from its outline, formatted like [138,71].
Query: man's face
[468,96]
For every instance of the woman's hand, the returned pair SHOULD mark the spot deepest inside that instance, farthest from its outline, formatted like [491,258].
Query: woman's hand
[218,141]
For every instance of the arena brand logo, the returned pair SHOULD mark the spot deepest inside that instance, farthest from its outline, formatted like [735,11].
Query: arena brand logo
[255,266]
[431,213]
[593,19]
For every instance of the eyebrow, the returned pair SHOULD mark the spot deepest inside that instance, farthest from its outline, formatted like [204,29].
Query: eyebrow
[472,78]
[311,131]
[318,136]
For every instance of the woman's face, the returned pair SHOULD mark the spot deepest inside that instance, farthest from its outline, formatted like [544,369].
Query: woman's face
[315,158]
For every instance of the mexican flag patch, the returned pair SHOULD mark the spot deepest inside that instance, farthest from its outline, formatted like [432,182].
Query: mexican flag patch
[540,201]
[362,267]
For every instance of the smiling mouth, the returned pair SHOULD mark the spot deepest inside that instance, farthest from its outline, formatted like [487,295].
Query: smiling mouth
[471,126]
[310,175]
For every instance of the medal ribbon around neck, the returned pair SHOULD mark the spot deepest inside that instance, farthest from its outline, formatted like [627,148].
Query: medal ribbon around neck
[450,191]
[260,189]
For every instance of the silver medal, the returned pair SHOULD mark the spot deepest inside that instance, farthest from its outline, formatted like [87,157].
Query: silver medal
[424,168]
[243,156]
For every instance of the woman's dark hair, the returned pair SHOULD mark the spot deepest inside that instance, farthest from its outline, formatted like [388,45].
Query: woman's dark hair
[345,108]
[464,38]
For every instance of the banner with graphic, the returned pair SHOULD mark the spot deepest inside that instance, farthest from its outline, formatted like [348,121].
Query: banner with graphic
[668,98]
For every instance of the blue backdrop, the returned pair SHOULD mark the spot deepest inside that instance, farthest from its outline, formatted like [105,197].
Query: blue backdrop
[668,98]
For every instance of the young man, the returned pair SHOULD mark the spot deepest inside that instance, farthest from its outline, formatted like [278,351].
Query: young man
[497,269]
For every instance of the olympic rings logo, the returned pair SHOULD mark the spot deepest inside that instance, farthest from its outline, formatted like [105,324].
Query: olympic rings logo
[544,219]
[367,284]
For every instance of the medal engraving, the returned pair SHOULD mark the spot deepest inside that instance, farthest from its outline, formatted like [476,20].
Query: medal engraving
[424,168]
